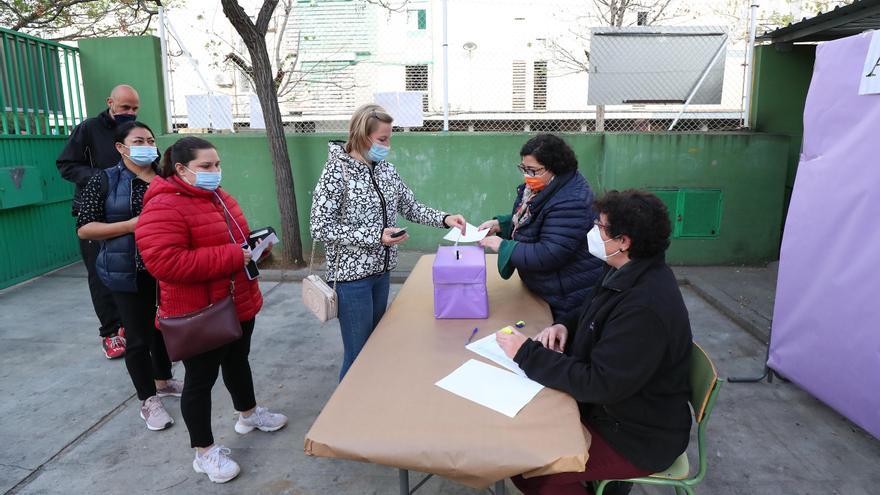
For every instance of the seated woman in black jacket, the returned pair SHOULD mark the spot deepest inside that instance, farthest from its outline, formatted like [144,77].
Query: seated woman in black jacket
[545,237]
[625,356]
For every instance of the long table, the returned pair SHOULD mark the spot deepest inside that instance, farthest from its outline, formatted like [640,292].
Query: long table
[388,411]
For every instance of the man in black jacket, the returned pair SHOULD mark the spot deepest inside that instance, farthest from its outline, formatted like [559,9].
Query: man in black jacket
[625,357]
[89,151]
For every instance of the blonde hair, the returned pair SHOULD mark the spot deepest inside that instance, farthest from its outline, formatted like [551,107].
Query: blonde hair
[365,121]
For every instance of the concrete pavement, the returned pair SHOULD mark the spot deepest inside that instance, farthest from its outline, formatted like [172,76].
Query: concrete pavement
[70,421]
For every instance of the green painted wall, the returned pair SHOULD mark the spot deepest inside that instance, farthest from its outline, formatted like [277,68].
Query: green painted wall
[37,237]
[475,174]
[134,60]
[782,78]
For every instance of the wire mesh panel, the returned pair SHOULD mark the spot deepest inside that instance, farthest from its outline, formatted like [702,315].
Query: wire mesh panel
[513,65]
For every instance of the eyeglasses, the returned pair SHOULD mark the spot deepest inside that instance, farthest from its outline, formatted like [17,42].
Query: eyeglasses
[601,225]
[531,172]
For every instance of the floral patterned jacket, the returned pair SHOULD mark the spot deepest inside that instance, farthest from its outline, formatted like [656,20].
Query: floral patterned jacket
[352,204]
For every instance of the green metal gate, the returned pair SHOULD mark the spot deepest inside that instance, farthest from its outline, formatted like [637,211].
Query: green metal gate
[40,103]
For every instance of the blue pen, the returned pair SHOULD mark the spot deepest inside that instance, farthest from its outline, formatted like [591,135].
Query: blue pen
[474,332]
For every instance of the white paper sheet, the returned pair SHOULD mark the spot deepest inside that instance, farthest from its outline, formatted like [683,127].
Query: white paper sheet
[488,348]
[261,246]
[470,235]
[404,106]
[491,387]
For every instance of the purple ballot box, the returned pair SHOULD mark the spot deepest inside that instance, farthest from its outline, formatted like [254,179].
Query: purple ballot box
[460,283]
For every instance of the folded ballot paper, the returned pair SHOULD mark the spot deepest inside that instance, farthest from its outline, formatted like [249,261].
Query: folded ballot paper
[471,234]
[491,387]
[488,348]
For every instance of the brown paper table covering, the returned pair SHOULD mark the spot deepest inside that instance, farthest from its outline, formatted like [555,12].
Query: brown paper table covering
[388,411]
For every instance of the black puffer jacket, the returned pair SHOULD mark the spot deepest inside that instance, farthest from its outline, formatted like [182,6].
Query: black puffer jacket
[89,150]
[627,363]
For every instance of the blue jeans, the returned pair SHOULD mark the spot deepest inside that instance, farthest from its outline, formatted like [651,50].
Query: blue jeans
[361,305]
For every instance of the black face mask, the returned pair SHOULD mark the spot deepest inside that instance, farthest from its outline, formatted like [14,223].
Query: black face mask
[124,117]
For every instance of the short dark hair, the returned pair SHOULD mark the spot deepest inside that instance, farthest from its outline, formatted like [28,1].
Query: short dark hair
[640,215]
[123,130]
[183,151]
[552,152]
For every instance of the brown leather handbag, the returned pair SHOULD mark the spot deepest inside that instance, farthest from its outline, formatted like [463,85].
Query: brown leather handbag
[206,329]
[201,331]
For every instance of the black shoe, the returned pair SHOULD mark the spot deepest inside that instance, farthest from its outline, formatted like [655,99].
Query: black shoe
[618,488]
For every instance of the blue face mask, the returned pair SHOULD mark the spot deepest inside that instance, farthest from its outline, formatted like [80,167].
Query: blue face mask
[122,118]
[378,152]
[142,156]
[206,180]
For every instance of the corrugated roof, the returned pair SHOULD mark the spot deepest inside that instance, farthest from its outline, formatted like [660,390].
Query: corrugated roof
[855,18]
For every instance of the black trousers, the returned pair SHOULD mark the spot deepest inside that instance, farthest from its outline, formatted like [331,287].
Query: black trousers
[145,354]
[201,374]
[102,298]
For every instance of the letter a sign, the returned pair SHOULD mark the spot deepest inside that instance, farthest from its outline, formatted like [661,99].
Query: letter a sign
[870,77]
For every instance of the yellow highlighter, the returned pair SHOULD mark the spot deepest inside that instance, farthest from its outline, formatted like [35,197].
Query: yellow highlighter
[508,330]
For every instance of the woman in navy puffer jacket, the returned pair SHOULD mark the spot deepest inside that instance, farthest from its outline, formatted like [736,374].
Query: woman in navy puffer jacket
[545,237]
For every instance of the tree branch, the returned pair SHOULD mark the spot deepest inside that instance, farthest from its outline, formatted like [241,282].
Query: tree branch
[265,16]
[238,18]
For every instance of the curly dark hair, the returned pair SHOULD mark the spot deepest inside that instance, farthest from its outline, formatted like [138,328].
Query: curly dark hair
[641,216]
[552,152]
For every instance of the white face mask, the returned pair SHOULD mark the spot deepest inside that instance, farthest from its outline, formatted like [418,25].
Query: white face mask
[597,245]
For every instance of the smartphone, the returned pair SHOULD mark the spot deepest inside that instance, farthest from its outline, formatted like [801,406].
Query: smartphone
[398,233]
[250,269]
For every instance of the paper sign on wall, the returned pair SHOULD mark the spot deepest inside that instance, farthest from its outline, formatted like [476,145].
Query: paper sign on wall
[870,83]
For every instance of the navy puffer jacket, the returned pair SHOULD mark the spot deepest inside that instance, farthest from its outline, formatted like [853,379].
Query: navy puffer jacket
[551,252]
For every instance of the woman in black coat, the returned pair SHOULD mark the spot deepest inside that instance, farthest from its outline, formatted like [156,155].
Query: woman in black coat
[625,357]
[545,236]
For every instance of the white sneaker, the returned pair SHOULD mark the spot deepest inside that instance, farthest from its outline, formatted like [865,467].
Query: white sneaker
[154,414]
[216,464]
[261,419]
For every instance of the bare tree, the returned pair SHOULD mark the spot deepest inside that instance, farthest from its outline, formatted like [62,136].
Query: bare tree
[289,73]
[254,36]
[614,13]
[268,82]
[63,20]
[618,13]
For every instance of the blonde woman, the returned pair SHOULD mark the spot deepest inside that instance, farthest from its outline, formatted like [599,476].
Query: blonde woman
[354,212]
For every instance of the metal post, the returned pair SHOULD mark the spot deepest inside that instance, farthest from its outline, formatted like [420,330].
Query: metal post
[22,85]
[768,372]
[3,125]
[700,82]
[403,475]
[74,56]
[750,67]
[61,104]
[44,74]
[69,90]
[445,68]
[53,85]
[10,70]
[33,96]
[169,125]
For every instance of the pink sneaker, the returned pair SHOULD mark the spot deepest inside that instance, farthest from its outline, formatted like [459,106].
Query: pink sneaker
[172,388]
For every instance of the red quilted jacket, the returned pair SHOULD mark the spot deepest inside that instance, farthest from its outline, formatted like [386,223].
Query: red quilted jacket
[184,242]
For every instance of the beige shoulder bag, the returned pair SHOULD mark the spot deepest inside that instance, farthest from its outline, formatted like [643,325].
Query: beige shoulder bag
[316,293]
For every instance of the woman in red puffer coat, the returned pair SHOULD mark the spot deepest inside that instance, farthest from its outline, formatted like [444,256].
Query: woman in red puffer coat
[184,240]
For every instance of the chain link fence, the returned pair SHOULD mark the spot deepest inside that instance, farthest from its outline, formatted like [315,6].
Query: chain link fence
[513,66]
